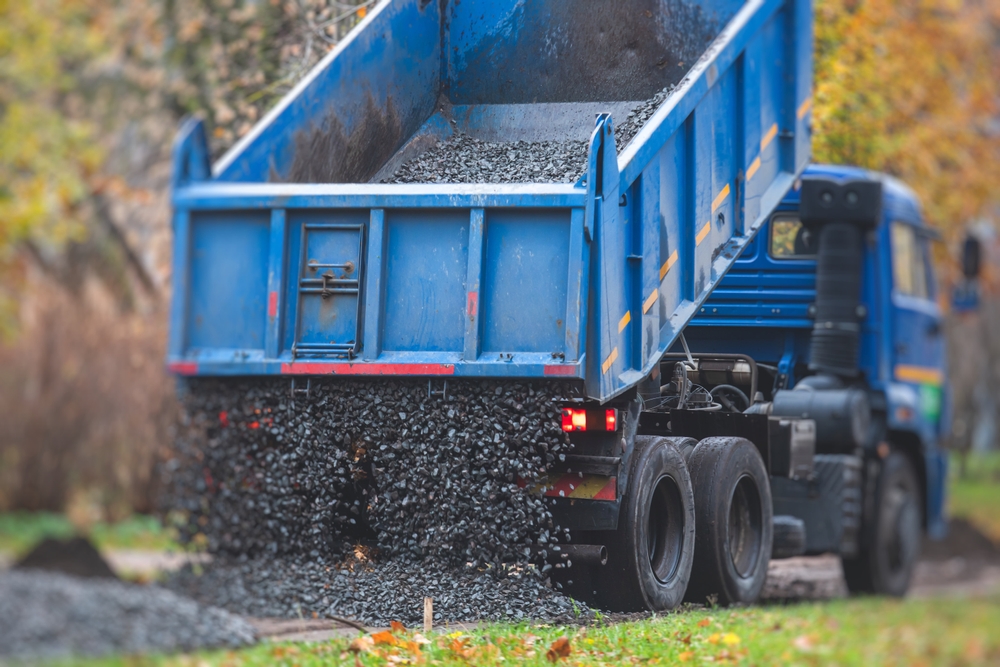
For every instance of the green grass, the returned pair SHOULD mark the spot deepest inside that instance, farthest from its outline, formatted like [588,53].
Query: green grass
[846,632]
[20,530]
[976,497]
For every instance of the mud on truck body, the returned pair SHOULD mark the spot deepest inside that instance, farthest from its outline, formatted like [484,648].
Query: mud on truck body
[797,414]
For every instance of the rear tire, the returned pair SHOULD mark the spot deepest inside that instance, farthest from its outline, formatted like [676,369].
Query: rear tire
[650,555]
[885,564]
[734,514]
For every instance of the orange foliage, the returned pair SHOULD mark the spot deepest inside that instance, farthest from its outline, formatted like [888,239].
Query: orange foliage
[912,88]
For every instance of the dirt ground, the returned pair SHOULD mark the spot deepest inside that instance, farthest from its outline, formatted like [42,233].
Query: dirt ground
[965,563]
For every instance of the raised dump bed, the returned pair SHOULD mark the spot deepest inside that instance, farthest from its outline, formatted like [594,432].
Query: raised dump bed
[297,254]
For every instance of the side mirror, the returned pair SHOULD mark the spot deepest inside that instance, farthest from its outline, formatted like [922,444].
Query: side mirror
[971,257]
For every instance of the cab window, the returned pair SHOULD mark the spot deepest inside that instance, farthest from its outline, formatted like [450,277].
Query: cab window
[909,262]
[790,239]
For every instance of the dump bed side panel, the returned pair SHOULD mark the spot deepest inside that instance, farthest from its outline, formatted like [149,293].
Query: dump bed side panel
[354,109]
[695,185]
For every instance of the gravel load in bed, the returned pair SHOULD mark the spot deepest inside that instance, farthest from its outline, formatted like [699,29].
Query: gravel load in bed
[627,128]
[44,615]
[375,593]
[464,159]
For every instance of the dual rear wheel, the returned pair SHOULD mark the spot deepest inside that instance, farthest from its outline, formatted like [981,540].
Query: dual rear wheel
[696,529]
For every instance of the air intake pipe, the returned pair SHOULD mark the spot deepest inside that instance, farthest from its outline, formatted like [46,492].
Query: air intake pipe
[842,213]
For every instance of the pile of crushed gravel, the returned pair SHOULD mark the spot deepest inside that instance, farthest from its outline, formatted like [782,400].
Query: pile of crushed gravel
[463,159]
[422,475]
[626,129]
[44,615]
[375,593]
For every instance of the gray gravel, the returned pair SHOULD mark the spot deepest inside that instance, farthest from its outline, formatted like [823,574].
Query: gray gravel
[438,477]
[375,593]
[44,615]
[464,159]
[435,485]
[626,129]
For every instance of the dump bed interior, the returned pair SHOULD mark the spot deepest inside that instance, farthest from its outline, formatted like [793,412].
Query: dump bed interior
[419,71]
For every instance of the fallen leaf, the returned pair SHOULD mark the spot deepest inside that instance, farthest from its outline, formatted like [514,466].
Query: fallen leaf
[397,626]
[703,623]
[361,644]
[420,639]
[715,638]
[730,639]
[803,643]
[560,649]
[685,656]
[384,637]
[459,647]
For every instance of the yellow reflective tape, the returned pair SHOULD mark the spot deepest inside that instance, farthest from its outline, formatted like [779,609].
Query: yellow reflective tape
[610,360]
[667,264]
[623,322]
[752,169]
[650,300]
[804,108]
[588,487]
[918,374]
[769,137]
[720,198]
[703,233]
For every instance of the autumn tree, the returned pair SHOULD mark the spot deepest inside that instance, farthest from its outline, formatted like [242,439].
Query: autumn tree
[912,88]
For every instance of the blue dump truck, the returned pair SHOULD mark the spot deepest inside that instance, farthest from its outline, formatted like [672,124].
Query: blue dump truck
[753,345]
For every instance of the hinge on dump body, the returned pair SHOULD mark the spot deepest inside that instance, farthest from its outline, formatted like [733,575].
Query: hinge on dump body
[304,391]
[442,392]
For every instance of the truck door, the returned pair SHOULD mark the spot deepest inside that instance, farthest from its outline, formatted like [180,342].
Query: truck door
[918,342]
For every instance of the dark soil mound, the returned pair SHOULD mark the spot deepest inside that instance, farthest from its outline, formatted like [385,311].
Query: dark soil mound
[963,540]
[75,556]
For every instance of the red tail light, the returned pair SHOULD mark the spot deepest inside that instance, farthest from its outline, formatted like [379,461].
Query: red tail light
[580,419]
[574,419]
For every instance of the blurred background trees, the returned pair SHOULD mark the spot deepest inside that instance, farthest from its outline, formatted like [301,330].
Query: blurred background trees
[91,92]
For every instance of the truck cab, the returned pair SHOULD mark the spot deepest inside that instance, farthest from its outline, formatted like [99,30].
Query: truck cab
[765,308]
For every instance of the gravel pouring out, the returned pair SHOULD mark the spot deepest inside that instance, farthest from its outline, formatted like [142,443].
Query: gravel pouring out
[430,483]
